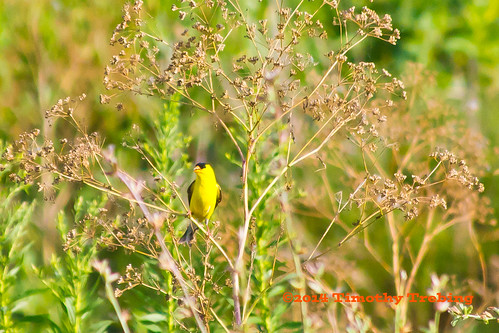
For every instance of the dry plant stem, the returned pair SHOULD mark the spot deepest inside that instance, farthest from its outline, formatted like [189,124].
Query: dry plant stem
[396,269]
[235,297]
[172,186]
[292,14]
[211,91]
[111,191]
[239,262]
[297,159]
[293,162]
[248,214]
[166,260]
[374,253]
[122,196]
[95,155]
[245,230]
[297,262]
[403,288]
[271,282]
[248,284]
[219,247]
[335,217]
[399,312]
[362,224]
[116,306]
[200,106]
[410,151]
[427,238]
[478,248]
[199,225]
[214,313]
[207,253]
[229,133]
[241,13]
[277,49]
[302,100]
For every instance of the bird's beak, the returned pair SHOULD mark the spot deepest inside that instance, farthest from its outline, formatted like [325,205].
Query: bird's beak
[197,169]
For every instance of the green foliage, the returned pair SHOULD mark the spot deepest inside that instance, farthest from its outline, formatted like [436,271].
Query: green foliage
[463,312]
[69,277]
[168,154]
[15,220]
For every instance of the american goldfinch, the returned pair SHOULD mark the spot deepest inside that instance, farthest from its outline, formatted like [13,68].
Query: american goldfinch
[204,196]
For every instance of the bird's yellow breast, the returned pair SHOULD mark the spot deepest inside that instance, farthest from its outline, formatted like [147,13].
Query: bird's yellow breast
[204,198]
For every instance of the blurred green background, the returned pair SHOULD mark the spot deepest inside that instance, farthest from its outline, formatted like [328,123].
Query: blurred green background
[51,49]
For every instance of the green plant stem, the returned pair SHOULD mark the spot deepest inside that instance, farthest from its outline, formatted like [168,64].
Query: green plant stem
[78,318]
[297,263]
[3,289]
[170,302]
[266,314]
[116,306]
[437,321]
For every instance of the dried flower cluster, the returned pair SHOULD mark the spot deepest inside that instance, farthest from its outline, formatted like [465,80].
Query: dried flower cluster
[35,156]
[254,85]
[255,93]
[409,194]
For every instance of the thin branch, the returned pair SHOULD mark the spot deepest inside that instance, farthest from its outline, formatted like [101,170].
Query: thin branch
[166,260]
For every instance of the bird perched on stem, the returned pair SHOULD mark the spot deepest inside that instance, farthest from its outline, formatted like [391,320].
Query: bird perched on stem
[204,196]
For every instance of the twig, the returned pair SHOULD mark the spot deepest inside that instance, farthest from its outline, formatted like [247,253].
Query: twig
[103,268]
[166,260]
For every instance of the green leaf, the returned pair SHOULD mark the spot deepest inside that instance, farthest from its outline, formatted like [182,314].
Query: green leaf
[291,325]
[69,305]
[233,160]
[153,328]
[101,326]
[37,319]
[153,317]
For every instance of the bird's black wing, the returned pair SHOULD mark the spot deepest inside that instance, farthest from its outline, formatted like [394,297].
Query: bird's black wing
[190,189]
[219,195]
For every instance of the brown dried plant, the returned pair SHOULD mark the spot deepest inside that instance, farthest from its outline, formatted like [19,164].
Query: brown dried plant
[430,188]
[257,93]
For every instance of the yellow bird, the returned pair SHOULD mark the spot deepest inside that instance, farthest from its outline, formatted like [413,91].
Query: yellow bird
[204,196]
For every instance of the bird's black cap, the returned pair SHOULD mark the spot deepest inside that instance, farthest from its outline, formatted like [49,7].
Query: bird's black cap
[201,165]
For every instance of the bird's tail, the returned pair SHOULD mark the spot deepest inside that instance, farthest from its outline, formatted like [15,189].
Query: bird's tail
[189,234]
